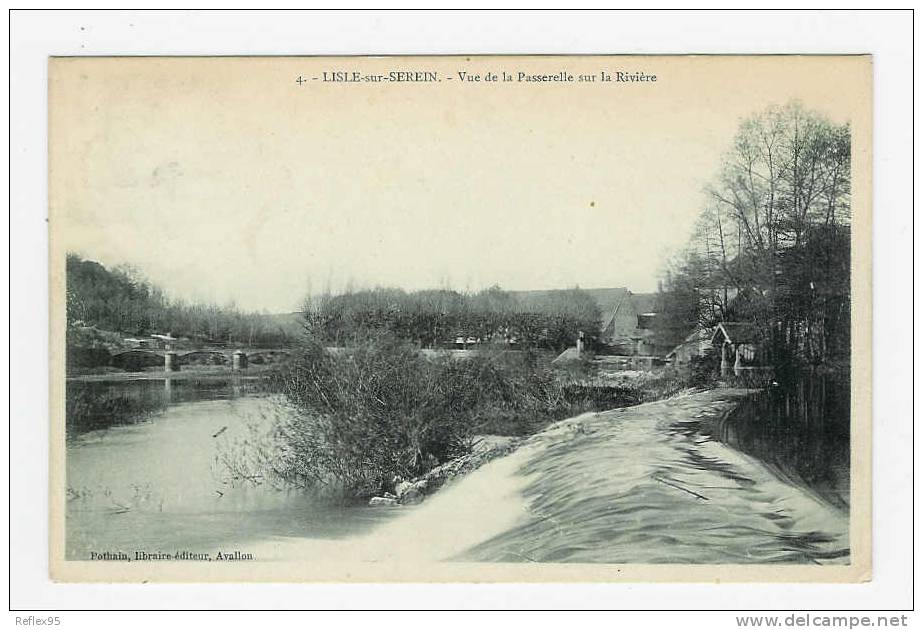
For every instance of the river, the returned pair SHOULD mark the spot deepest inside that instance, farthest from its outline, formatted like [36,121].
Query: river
[144,471]
[686,480]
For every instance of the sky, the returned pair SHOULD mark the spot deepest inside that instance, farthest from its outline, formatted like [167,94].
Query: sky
[224,180]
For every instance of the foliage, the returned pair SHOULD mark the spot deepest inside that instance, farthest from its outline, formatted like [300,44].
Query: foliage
[81,358]
[382,409]
[772,245]
[436,318]
[123,300]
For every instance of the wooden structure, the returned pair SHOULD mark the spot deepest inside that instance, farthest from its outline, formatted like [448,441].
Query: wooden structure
[739,344]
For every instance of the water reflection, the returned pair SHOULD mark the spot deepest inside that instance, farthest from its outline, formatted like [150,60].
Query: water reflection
[144,471]
[800,430]
[95,405]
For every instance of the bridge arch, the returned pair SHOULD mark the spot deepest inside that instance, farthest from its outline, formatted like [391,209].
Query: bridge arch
[137,360]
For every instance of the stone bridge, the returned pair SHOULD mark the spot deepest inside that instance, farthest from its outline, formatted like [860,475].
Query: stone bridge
[171,360]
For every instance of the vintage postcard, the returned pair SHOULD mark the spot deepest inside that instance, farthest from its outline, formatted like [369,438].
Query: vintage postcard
[460,319]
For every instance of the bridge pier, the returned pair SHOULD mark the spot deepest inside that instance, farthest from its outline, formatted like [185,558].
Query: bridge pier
[170,363]
[239,360]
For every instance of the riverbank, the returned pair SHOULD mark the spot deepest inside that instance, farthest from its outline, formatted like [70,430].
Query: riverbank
[209,373]
[485,448]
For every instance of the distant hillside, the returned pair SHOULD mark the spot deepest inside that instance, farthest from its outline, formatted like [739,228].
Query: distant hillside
[123,302]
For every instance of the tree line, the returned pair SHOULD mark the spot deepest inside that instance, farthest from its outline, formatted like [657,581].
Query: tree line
[122,300]
[772,244]
[438,317]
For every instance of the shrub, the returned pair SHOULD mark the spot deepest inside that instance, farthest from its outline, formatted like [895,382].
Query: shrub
[382,409]
[704,370]
[366,416]
[353,420]
[78,357]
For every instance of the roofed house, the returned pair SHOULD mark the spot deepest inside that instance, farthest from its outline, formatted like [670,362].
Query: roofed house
[740,344]
[626,319]
[697,344]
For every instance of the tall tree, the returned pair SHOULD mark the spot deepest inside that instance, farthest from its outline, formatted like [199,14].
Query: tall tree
[775,229]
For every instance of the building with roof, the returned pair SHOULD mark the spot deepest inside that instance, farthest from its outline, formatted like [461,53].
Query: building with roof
[696,344]
[626,318]
[740,346]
